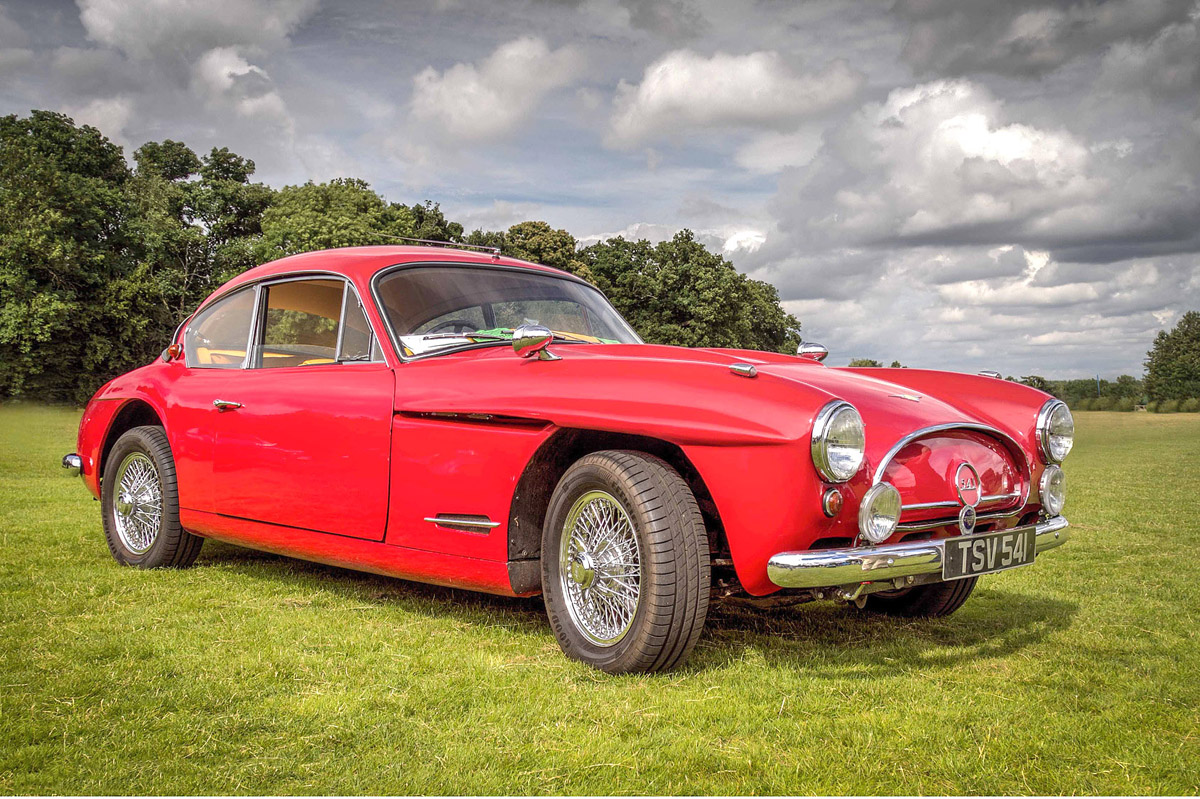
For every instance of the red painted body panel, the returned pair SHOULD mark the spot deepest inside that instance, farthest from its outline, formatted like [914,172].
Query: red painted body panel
[97,418]
[453,571]
[461,468]
[322,458]
[310,447]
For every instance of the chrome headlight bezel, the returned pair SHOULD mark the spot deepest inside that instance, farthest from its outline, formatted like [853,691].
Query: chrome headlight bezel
[822,426]
[1045,423]
[881,502]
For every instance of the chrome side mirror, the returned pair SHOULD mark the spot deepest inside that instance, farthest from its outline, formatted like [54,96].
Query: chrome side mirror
[812,351]
[531,340]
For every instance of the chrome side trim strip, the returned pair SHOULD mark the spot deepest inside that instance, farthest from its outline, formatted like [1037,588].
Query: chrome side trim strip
[822,568]
[463,521]
[949,503]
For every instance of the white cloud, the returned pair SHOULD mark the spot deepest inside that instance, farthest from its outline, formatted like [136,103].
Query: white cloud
[939,161]
[684,91]
[222,76]
[477,103]
[144,29]
[109,115]
[773,152]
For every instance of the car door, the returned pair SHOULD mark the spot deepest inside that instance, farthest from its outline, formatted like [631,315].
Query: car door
[303,432]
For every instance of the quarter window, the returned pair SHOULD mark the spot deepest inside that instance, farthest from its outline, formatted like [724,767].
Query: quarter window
[217,337]
[313,322]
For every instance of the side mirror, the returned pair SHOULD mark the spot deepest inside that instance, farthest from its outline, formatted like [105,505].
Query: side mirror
[531,340]
[812,351]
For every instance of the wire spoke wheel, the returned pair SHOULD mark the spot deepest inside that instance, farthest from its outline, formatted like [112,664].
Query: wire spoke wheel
[600,568]
[138,505]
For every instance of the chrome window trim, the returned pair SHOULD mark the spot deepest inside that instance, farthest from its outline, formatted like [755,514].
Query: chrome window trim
[820,428]
[1043,428]
[181,334]
[286,277]
[397,345]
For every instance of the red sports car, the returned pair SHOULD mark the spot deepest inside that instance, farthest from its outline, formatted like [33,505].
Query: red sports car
[365,408]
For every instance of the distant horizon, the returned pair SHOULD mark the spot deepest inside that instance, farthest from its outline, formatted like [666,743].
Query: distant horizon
[972,185]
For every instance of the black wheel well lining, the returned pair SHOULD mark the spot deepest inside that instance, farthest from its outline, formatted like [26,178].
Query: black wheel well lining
[134,413]
[552,459]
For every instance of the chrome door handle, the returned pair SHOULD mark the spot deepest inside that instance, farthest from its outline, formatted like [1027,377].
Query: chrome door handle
[226,405]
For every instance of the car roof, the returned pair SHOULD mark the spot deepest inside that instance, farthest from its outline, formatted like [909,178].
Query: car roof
[361,263]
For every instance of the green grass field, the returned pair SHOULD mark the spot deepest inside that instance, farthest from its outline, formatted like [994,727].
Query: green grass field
[256,674]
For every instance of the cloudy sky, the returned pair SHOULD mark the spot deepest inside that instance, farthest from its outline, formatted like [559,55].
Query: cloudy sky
[954,183]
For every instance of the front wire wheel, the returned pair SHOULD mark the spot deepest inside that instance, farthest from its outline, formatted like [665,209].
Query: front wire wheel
[140,503]
[600,568]
[625,570]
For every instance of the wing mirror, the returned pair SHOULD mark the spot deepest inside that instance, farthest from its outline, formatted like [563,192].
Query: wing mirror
[812,351]
[531,340]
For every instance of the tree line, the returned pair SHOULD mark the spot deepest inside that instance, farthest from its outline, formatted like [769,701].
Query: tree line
[100,261]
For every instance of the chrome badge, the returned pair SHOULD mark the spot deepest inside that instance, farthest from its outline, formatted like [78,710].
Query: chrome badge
[966,520]
[966,483]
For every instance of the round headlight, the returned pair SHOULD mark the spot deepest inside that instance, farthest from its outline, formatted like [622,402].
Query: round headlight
[1053,490]
[879,512]
[1055,431]
[838,441]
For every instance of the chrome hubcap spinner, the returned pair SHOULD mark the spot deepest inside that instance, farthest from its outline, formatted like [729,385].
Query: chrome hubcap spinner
[600,568]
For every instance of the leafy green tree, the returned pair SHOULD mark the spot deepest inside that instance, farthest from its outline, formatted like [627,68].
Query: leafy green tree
[431,224]
[865,362]
[542,244]
[73,304]
[341,213]
[1036,381]
[1173,365]
[230,208]
[169,160]
[677,292]
[896,365]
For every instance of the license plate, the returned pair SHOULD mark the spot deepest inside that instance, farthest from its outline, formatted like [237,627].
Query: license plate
[970,555]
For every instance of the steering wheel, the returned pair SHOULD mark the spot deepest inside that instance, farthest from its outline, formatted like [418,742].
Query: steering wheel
[453,326]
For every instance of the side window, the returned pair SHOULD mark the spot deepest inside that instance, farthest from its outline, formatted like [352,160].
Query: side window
[300,323]
[358,342]
[217,337]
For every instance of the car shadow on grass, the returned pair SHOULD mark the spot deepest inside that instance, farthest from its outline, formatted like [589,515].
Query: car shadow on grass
[824,639]
[837,640]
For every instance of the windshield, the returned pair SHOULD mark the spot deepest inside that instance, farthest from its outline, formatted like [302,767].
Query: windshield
[436,308]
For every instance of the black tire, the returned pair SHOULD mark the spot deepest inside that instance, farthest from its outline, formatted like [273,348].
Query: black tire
[673,566]
[171,545]
[923,601]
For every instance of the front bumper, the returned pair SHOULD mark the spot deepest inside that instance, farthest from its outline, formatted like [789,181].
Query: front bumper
[72,462]
[822,568]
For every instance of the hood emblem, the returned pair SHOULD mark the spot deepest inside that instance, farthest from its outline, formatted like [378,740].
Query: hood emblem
[909,397]
[966,483]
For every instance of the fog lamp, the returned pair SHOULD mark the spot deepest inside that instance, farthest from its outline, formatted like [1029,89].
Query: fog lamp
[879,512]
[1053,490]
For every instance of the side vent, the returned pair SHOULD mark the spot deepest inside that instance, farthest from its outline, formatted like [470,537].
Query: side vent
[463,522]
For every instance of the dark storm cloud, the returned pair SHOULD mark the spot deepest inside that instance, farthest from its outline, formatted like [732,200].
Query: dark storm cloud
[953,183]
[1025,37]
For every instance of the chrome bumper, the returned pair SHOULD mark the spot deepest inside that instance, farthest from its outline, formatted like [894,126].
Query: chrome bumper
[72,462]
[823,568]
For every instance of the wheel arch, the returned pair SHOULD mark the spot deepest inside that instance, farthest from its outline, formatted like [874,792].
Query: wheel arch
[531,497]
[133,413]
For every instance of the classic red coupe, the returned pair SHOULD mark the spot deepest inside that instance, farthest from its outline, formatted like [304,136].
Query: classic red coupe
[475,421]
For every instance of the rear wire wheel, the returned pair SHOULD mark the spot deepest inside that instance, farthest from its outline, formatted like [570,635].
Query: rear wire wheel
[625,571]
